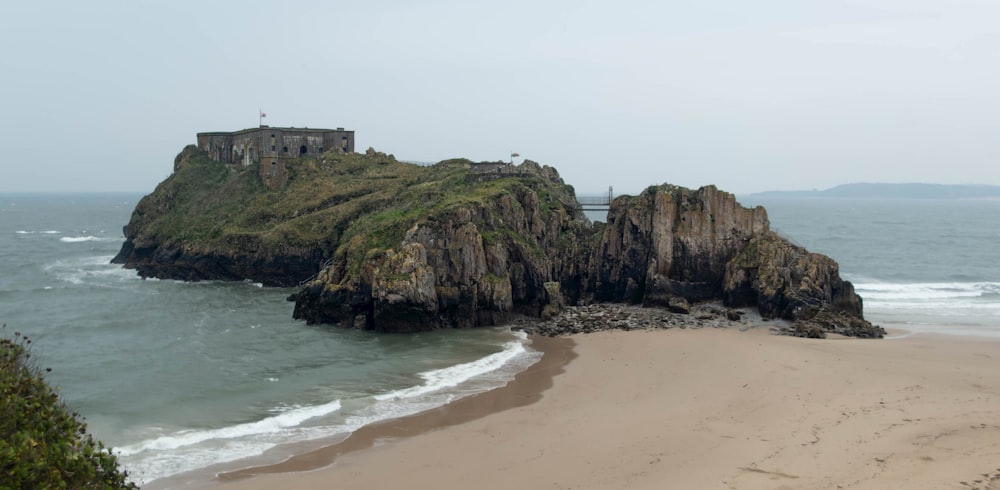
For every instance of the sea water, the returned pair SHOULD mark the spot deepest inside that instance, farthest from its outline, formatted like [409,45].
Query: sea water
[185,376]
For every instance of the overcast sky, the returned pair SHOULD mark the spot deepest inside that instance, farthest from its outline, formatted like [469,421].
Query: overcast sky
[750,96]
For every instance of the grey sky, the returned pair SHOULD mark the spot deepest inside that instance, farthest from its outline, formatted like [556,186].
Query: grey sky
[750,96]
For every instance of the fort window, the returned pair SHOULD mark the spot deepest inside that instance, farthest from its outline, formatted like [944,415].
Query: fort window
[284,149]
[303,150]
[272,147]
[321,149]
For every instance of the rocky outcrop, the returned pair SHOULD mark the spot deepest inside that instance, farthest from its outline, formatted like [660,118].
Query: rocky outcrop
[474,264]
[386,246]
[784,280]
[831,321]
[600,317]
[672,242]
[787,281]
[169,259]
[195,227]
[670,246]
[617,316]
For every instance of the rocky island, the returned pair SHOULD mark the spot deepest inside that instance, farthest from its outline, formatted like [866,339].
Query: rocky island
[374,243]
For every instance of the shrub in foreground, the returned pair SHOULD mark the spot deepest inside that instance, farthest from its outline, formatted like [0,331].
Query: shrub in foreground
[42,443]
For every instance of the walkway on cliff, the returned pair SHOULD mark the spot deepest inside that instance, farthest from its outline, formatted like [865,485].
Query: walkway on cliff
[596,202]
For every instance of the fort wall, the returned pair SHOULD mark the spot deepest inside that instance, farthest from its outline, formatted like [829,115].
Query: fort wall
[252,146]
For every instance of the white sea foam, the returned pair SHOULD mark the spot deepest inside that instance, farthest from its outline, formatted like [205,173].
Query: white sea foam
[168,463]
[450,377]
[446,385]
[953,308]
[938,296]
[189,450]
[276,423]
[97,271]
[88,238]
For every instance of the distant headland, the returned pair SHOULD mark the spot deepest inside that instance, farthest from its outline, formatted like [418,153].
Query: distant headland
[893,191]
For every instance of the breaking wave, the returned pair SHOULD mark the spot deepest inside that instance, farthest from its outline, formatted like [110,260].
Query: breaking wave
[181,451]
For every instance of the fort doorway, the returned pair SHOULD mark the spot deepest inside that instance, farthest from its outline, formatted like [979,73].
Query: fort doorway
[303,150]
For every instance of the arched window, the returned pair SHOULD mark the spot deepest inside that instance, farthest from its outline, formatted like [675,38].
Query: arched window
[303,150]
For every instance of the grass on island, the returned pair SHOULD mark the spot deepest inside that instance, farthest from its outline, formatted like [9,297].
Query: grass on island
[348,205]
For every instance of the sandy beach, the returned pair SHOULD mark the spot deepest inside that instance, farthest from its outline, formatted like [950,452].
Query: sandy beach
[695,408]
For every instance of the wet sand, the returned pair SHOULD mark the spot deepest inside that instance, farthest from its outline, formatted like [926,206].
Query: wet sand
[694,408]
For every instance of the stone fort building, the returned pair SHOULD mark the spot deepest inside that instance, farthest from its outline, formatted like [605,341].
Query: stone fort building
[269,148]
[266,145]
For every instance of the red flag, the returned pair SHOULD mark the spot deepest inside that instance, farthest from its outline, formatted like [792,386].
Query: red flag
[512,155]
[262,114]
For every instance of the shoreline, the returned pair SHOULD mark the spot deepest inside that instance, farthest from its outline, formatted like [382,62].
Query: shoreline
[525,388]
[705,408]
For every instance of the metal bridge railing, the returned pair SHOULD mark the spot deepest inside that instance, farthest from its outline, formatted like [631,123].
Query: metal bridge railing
[596,200]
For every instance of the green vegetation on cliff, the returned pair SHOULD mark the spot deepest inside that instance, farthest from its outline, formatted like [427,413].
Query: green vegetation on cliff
[42,443]
[333,206]
[205,203]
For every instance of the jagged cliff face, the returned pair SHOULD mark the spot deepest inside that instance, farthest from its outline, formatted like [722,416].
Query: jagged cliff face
[787,281]
[672,242]
[204,223]
[473,265]
[393,247]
